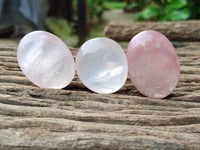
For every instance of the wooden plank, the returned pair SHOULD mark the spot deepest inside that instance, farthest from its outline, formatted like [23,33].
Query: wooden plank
[76,118]
[174,30]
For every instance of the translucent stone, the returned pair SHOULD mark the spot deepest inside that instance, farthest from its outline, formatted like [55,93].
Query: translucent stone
[101,65]
[45,60]
[153,64]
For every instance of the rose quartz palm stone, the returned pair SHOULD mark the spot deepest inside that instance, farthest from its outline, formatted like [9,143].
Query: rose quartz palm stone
[102,65]
[45,60]
[153,64]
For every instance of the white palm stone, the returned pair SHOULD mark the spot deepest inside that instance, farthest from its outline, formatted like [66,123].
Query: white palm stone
[101,65]
[45,60]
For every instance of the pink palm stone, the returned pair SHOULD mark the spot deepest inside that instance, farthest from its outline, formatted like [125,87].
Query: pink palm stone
[153,64]
[45,60]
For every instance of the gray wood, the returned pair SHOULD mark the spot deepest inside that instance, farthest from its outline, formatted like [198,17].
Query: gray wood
[76,118]
[174,30]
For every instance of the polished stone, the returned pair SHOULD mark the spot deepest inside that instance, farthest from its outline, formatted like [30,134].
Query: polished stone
[101,65]
[45,60]
[153,64]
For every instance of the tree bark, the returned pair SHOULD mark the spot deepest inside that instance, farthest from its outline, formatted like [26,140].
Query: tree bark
[76,118]
[82,20]
[177,30]
[63,8]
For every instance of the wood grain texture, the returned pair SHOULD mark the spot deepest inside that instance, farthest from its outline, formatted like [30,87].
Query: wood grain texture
[76,118]
[174,30]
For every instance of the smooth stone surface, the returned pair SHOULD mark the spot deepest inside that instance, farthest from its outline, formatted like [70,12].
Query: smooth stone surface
[45,60]
[153,64]
[101,65]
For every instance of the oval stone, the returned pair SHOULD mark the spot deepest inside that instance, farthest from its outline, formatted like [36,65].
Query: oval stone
[45,60]
[153,64]
[101,65]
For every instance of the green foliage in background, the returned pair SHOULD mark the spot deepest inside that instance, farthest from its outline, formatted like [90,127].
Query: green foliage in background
[63,29]
[166,10]
[137,4]
[96,8]
[115,5]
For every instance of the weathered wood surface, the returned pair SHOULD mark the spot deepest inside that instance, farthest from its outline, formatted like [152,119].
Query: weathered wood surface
[76,118]
[177,30]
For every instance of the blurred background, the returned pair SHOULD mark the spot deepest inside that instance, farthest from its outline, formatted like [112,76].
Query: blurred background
[76,21]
